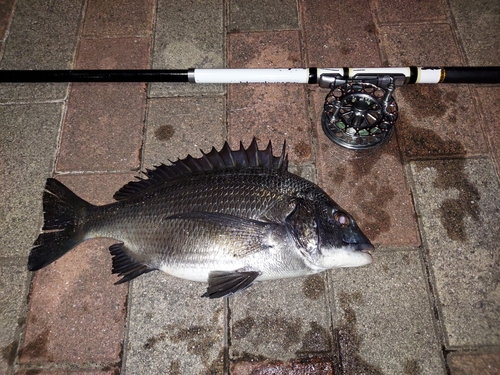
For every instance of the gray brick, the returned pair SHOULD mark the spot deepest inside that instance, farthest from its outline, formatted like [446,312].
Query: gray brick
[13,290]
[281,320]
[384,321]
[42,35]
[27,151]
[257,15]
[188,35]
[478,25]
[180,126]
[458,204]
[172,329]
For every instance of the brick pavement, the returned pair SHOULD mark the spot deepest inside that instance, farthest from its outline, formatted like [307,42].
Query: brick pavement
[428,199]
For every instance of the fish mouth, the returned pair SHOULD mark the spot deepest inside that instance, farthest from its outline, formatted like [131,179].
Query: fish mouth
[364,247]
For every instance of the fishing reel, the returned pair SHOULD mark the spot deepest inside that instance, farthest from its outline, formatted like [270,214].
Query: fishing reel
[360,113]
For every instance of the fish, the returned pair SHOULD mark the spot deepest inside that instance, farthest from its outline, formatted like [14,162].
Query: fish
[229,218]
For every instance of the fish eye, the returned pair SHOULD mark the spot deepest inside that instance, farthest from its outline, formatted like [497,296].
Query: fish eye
[342,219]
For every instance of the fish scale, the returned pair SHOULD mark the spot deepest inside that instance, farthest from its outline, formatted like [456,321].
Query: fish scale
[229,218]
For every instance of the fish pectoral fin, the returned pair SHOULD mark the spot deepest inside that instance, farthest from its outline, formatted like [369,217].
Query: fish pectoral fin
[124,265]
[222,283]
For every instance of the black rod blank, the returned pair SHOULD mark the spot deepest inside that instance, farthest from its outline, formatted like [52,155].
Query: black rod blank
[144,75]
[471,74]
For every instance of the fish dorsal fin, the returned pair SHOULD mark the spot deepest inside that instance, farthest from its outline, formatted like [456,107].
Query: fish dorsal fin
[226,158]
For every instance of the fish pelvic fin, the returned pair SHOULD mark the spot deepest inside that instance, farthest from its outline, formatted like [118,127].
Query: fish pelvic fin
[124,265]
[63,210]
[222,283]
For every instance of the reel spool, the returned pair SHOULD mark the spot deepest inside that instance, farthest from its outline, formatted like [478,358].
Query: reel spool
[360,115]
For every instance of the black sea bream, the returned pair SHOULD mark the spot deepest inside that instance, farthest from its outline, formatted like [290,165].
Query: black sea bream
[229,218]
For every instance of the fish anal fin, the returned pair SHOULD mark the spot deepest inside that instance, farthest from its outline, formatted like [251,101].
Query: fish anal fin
[124,265]
[222,283]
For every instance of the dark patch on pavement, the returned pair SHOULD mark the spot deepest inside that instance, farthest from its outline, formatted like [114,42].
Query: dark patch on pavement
[241,328]
[316,339]
[164,132]
[313,286]
[9,353]
[38,347]
[349,340]
[419,142]
[412,367]
[302,150]
[199,341]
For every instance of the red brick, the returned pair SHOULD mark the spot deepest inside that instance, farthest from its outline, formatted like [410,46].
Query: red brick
[104,121]
[113,53]
[103,127]
[6,10]
[474,363]
[419,44]
[119,18]
[76,314]
[370,185]
[438,120]
[275,112]
[336,35]
[392,11]
[489,97]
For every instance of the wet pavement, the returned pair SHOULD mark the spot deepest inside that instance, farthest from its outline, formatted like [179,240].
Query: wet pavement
[428,199]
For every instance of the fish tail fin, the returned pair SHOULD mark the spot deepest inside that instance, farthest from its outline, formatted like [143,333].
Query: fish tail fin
[62,209]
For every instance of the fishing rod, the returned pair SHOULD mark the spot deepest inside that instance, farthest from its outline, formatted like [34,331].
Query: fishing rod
[359,111]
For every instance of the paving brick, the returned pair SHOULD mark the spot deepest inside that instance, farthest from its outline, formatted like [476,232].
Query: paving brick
[308,366]
[27,151]
[274,112]
[258,15]
[270,112]
[394,11]
[474,363]
[177,127]
[13,292]
[337,35]
[6,10]
[370,185]
[457,202]
[419,44]
[188,35]
[104,121]
[118,18]
[478,25]
[438,120]
[103,128]
[114,53]
[278,49]
[383,319]
[66,372]
[41,36]
[172,329]
[76,313]
[268,324]
[490,114]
